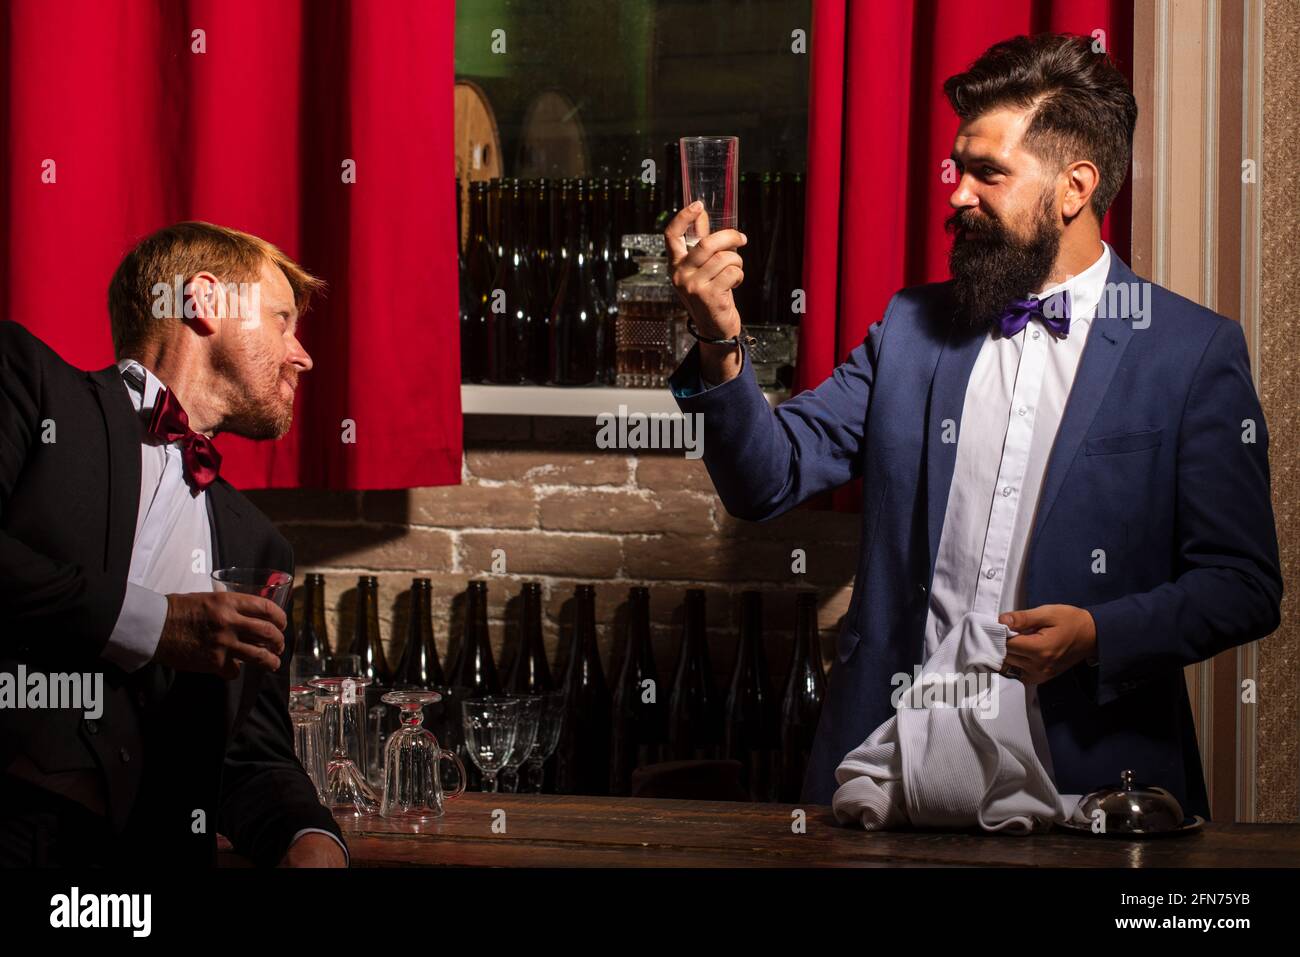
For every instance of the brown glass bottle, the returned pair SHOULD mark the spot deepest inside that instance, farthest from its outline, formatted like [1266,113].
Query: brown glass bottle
[578,316]
[312,640]
[801,704]
[480,266]
[694,715]
[640,709]
[475,670]
[540,252]
[751,734]
[510,301]
[366,642]
[419,667]
[530,674]
[582,757]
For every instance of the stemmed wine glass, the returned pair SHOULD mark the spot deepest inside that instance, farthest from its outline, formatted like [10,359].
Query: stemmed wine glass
[490,728]
[549,725]
[530,713]
[346,788]
[412,783]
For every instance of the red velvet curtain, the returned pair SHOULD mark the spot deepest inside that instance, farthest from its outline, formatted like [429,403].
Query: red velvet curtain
[253,133]
[879,129]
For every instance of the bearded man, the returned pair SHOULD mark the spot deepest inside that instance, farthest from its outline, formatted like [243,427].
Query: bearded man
[1044,436]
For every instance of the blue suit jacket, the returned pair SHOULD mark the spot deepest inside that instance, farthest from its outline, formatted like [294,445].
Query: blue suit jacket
[1152,465]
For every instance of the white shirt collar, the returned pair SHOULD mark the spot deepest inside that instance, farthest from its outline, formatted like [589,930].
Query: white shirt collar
[142,385]
[1085,289]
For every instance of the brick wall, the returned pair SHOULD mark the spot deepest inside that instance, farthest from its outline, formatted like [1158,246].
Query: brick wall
[564,512]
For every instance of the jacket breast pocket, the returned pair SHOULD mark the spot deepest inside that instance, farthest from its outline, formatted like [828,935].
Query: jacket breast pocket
[1124,442]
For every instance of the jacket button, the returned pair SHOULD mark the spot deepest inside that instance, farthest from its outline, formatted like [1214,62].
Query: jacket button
[920,587]
[92,726]
[125,755]
[141,698]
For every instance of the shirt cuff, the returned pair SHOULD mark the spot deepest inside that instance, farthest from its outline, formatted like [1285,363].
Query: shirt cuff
[334,837]
[135,637]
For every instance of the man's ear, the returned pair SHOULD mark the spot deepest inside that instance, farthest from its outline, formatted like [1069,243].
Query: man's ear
[205,304]
[1080,181]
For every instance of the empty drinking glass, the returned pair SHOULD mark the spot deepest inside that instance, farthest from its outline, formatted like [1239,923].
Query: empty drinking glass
[412,782]
[530,713]
[490,728]
[549,725]
[346,789]
[308,735]
[709,174]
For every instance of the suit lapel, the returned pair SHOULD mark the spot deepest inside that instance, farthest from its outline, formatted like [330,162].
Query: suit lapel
[947,397]
[1107,340]
[122,433]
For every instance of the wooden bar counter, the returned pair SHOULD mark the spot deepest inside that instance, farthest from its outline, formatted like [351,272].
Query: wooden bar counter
[572,831]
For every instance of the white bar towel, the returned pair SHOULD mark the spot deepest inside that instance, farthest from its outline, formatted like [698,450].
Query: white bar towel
[966,746]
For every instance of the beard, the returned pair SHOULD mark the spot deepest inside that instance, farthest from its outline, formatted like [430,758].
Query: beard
[990,265]
[256,408]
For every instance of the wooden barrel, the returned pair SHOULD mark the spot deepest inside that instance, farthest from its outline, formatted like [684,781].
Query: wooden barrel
[554,142]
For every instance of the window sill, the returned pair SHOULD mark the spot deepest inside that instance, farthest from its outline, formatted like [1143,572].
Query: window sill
[578,402]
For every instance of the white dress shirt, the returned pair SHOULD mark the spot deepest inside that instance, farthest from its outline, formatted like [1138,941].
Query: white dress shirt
[1014,401]
[173,549]
[172,553]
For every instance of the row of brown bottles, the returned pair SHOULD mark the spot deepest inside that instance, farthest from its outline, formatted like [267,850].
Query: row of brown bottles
[538,278]
[607,737]
[607,734]
[540,265]
[418,667]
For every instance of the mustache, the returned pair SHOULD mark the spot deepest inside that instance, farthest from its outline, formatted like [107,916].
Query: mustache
[968,221]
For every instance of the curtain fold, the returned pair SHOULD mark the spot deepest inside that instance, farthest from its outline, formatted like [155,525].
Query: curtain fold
[879,129]
[252,133]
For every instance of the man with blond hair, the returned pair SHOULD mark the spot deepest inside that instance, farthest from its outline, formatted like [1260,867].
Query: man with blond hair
[113,515]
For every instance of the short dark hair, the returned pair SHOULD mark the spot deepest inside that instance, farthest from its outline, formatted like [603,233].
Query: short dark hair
[1082,105]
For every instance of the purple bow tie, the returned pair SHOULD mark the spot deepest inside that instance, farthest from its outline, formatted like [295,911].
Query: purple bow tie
[1053,312]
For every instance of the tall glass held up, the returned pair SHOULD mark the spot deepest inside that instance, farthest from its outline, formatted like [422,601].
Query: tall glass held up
[710,166]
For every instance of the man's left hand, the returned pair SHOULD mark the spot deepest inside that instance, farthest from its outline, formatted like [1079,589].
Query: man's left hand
[1052,639]
[314,850]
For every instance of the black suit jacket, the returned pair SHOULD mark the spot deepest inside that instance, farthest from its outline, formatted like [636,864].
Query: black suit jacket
[181,755]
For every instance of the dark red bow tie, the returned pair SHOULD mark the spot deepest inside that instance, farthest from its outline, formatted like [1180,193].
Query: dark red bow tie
[200,457]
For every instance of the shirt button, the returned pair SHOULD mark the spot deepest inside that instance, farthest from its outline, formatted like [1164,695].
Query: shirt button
[1037,334]
[92,726]
[1021,411]
[991,573]
[141,698]
[1006,490]
[125,755]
